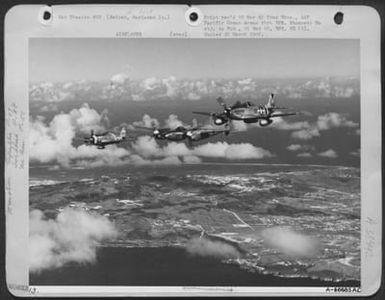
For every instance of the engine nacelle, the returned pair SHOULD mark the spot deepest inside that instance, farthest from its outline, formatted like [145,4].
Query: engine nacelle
[265,122]
[219,121]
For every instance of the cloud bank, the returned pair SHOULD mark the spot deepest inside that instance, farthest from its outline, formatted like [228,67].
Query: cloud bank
[290,242]
[72,237]
[124,87]
[324,122]
[147,121]
[52,142]
[148,147]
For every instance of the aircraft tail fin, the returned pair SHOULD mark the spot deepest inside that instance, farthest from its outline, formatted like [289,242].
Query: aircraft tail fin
[123,133]
[270,102]
[194,123]
[92,132]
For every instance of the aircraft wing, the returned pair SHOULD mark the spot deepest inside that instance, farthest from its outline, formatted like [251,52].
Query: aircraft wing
[203,113]
[283,114]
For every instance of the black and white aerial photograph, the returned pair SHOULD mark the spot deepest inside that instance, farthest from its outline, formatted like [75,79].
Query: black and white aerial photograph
[194,162]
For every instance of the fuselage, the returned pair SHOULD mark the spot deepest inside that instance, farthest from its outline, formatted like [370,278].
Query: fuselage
[250,113]
[106,139]
[177,134]
[182,133]
[198,134]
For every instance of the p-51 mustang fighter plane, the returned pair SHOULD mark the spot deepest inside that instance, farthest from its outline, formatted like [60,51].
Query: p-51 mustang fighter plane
[247,112]
[191,133]
[104,139]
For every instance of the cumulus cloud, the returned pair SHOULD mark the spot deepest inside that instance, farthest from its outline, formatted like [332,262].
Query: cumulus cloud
[50,107]
[206,247]
[283,124]
[147,121]
[323,122]
[151,83]
[72,237]
[323,88]
[146,146]
[294,147]
[328,153]
[305,130]
[334,120]
[298,147]
[191,159]
[47,92]
[305,134]
[290,242]
[193,96]
[304,154]
[173,122]
[232,151]
[119,78]
[124,86]
[52,142]
[92,157]
[171,84]
[245,81]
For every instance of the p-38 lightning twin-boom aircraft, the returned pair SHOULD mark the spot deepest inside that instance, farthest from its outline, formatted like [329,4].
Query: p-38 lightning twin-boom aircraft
[247,112]
[191,133]
[104,139]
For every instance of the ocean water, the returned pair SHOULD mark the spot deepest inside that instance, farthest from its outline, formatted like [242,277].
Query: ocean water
[167,266]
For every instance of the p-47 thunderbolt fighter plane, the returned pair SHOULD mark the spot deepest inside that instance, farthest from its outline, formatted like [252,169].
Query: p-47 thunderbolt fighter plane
[191,133]
[247,112]
[104,139]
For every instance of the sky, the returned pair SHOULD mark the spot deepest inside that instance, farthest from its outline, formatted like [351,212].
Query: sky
[326,132]
[97,59]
